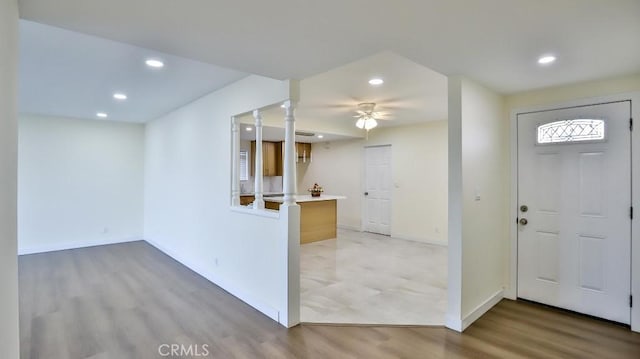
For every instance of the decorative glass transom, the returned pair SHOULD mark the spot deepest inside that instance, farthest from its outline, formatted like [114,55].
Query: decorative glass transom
[580,129]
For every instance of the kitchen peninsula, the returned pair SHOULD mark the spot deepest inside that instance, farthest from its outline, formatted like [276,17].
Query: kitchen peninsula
[318,215]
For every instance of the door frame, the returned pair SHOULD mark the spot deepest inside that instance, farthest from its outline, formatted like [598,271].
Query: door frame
[634,98]
[363,188]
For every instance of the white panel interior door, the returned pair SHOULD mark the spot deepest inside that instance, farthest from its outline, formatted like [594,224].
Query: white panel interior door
[378,190]
[574,252]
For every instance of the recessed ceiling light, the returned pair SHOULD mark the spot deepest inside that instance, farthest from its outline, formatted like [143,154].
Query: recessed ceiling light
[320,136]
[119,96]
[376,81]
[102,115]
[546,59]
[248,128]
[154,63]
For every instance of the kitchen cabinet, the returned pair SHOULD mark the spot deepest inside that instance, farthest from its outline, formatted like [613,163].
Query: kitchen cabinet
[246,199]
[318,216]
[271,158]
[303,152]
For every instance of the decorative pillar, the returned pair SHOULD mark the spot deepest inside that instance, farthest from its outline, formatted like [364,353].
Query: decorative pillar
[235,162]
[289,175]
[258,203]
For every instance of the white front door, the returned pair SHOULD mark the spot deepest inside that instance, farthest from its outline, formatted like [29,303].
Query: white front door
[574,236]
[377,216]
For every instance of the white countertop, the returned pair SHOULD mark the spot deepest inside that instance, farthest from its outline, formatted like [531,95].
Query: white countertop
[306,198]
[253,193]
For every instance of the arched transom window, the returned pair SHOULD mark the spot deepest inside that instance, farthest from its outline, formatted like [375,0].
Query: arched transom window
[581,129]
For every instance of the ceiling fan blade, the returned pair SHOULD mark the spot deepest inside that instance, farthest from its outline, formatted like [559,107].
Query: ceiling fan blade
[391,107]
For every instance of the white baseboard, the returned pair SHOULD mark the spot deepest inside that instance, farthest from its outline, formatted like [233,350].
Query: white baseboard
[23,250]
[349,227]
[259,305]
[511,293]
[436,242]
[482,308]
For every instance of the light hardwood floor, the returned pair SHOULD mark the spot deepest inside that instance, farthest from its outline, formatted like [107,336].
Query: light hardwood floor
[123,301]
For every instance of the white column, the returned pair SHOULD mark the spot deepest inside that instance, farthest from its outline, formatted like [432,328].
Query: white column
[289,175]
[235,162]
[258,203]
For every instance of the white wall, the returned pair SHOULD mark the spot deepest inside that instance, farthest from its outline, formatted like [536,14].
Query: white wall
[479,193]
[419,167]
[188,195]
[337,166]
[559,94]
[80,183]
[419,174]
[9,339]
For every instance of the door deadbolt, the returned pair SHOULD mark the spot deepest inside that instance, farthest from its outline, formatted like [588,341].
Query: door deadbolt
[524,208]
[523,221]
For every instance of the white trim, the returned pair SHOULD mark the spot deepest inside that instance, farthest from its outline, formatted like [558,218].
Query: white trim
[363,188]
[268,213]
[350,227]
[453,324]
[511,291]
[436,242]
[259,305]
[634,97]
[22,250]
[482,308]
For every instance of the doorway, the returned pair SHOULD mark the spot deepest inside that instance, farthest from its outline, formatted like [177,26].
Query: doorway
[574,209]
[377,194]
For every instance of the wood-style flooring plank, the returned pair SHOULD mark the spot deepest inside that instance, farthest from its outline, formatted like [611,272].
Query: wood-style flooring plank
[123,301]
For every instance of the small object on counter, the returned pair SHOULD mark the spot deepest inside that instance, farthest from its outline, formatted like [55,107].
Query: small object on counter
[316,190]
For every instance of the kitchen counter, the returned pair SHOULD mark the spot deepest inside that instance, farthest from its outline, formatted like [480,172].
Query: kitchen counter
[318,215]
[305,198]
[264,194]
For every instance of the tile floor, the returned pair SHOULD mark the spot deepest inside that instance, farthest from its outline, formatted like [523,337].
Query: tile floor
[364,278]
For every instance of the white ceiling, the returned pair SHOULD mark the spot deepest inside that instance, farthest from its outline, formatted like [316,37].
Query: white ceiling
[411,94]
[64,73]
[493,41]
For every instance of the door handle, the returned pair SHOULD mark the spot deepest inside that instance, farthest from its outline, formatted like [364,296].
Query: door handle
[524,221]
[366,193]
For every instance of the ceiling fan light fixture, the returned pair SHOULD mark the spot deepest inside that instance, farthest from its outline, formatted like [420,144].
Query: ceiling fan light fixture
[370,123]
[366,119]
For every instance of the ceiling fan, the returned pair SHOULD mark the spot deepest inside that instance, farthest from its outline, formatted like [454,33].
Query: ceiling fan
[367,116]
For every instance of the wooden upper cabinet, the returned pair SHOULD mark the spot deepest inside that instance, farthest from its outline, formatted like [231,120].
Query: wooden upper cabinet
[271,158]
[303,151]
